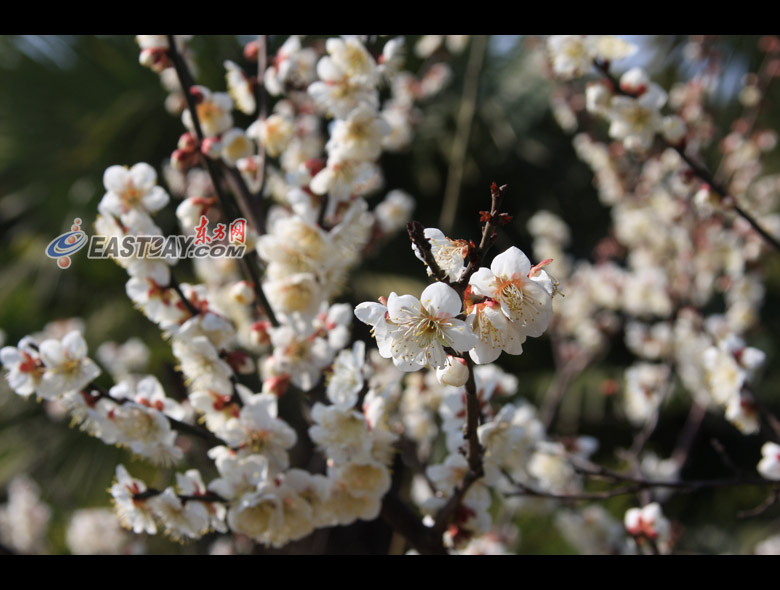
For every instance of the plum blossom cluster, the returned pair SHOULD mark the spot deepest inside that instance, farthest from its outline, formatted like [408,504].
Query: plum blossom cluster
[303,426]
[284,328]
[679,242]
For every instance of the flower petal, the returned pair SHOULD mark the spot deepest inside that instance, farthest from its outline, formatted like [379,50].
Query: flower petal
[511,264]
[441,300]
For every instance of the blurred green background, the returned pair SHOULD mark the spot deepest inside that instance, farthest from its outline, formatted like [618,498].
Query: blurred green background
[70,106]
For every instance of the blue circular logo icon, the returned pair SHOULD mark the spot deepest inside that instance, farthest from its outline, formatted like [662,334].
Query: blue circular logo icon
[61,247]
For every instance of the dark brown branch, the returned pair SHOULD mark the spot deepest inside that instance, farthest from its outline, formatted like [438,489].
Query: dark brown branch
[185,79]
[262,300]
[246,201]
[473,453]
[206,435]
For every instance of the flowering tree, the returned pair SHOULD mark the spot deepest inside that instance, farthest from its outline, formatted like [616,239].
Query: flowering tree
[294,413]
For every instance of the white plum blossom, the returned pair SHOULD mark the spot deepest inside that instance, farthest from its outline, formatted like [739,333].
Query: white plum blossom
[342,434]
[239,88]
[644,390]
[449,254]
[236,145]
[133,514]
[455,373]
[419,329]
[635,121]
[67,366]
[347,379]
[393,213]
[132,189]
[649,523]
[359,136]
[769,466]
[292,65]
[573,55]
[516,303]
[259,430]
[95,531]
[23,365]
[182,520]
[213,109]
[273,133]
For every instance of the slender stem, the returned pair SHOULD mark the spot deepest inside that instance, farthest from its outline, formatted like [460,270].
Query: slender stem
[682,451]
[463,130]
[644,435]
[262,113]
[493,219]
[208,497]
[637,484]
[565,372]
[262,61]
[262,300]
[763,507]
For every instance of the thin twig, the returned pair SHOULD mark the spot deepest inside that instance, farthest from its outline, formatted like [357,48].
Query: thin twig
[637,485]
[174,284]
[262,300]
[207,497]
[565,373]
[262,113]
[463,130]
[682,450]
[492,219]
[727,461]
[177,425]
[763,507]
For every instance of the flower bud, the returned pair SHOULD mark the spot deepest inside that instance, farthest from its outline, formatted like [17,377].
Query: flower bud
[259,334]
[243,293]
[454,373]
[188,142]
